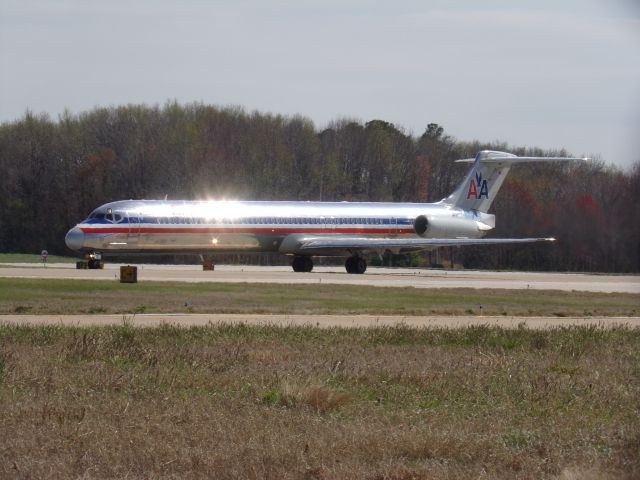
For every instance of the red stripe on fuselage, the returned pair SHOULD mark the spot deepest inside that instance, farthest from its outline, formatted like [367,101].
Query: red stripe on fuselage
[248,230]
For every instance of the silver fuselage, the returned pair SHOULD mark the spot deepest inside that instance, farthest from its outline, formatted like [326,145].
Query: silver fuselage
[154,226]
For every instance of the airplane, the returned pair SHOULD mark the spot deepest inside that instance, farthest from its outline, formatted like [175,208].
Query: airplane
[303,229]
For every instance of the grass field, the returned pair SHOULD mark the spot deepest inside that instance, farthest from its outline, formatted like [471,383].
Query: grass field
[39,296]
[29,258]
[269,402]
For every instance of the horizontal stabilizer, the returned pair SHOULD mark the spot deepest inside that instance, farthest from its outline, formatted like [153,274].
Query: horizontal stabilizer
[515,160]
[483,181]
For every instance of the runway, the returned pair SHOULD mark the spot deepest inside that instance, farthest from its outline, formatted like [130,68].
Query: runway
[321,321]
[378,277]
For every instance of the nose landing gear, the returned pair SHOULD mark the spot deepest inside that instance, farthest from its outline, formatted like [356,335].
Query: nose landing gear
[92,261]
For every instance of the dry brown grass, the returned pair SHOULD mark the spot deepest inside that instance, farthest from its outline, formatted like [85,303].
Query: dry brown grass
[268,402]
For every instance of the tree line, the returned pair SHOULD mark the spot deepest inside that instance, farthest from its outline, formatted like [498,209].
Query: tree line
[54,172]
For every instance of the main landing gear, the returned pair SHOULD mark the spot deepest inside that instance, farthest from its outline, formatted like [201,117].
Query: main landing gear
[302,264]
[355,264]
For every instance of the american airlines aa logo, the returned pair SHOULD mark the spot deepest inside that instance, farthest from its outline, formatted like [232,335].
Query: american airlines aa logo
[478,189]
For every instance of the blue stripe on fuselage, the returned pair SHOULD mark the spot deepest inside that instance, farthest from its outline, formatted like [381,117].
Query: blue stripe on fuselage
[251,221]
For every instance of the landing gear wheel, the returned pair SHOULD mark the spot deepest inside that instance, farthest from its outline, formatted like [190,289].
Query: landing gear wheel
[93,264]
[355,265]
[94,261]
[302,264]
[349,264]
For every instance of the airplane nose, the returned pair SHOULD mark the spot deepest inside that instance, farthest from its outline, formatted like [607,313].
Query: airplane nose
[74,239]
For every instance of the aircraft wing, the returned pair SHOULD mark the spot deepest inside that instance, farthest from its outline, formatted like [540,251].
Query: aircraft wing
[377,244]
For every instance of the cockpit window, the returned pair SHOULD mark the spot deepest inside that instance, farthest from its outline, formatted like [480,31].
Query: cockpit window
[95,215]
[113,217]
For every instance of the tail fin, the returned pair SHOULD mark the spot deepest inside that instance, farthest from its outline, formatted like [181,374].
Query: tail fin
[481,185]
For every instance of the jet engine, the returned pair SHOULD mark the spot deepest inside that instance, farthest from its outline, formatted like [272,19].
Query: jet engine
[447,227]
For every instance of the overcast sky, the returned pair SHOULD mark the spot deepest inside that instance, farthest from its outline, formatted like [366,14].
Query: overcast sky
[532,72]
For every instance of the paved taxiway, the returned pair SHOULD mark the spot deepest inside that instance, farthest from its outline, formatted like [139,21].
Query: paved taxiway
[323,321]
[379,277]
